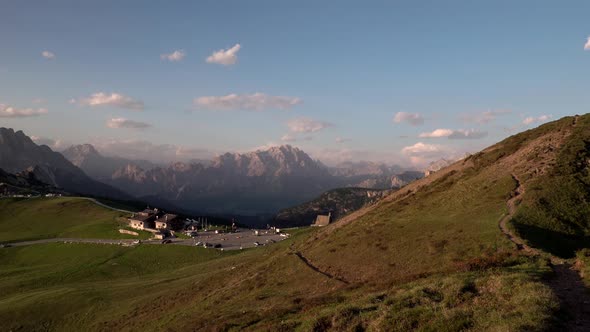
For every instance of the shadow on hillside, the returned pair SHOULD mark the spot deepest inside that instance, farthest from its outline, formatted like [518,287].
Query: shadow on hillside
[558,244]
[574,311]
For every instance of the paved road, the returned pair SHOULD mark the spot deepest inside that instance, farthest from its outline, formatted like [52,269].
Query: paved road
[104,205]
[73,240]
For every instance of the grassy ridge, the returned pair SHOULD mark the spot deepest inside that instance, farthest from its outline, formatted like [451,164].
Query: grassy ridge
[41,218]
[453,220]
[556,213]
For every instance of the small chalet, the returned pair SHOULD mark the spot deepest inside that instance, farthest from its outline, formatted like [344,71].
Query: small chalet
[168,221]
[322,220]
[140,221]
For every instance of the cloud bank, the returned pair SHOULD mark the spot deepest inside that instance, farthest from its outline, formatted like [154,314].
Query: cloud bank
[12,112]
[113,99]
[414,119]
[455,134]
[249,102]
[125,123]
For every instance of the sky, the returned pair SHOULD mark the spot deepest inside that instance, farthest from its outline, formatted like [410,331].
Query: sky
[404,82]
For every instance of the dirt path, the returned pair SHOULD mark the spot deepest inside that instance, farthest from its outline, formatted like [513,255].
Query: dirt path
[574,299]
[315,268]
[512,205]
[566,283]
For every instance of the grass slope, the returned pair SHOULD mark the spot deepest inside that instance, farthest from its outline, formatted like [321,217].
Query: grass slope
[41,218]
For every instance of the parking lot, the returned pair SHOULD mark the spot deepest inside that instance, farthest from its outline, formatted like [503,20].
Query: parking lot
[243,238]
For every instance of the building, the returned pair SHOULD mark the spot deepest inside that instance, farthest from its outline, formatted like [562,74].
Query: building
[322,220]
[168,221]
[142,221]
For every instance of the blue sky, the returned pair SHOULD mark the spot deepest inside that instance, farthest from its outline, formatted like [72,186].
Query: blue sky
[330,76]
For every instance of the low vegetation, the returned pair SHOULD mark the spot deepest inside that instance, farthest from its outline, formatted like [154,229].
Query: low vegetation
[42,218]
[556,213]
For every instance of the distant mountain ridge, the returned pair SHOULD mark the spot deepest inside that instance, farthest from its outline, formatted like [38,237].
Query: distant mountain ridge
[248,183]
[262,181]
[94,164]
[18,153]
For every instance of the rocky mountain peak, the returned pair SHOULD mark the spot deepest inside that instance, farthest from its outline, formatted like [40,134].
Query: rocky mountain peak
[81,150]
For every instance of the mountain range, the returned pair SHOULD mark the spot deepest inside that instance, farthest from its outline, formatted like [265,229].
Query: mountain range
[19,153]
[258,182]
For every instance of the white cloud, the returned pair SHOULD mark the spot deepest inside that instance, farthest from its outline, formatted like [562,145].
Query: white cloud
[251,102]
[437,133]
[414,119]
[12,112]
[530,120]
[48,55]
[125,123]
[113,99]
[484,117]
[306,125]
[455,134]
[420,154]
[587,45]
[225,57]
[175,56]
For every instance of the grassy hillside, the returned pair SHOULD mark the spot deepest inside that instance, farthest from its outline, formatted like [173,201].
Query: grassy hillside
[41,218]
[555,215]
[429,257]
[91,287]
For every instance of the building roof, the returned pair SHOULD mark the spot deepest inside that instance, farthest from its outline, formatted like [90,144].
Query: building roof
[166,218]
[149,211]
[141,217]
